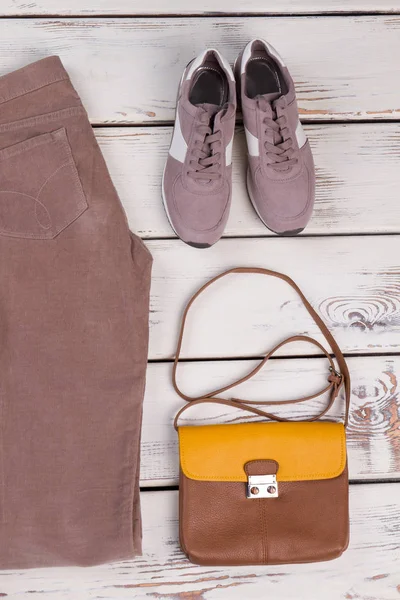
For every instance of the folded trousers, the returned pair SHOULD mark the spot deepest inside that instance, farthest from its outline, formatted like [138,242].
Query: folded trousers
[74,308]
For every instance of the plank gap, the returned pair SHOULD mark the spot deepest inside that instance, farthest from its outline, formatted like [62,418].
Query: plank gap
[175,488]
[163,488]
[277,357]
[205,15]
[239,123]
[303,236]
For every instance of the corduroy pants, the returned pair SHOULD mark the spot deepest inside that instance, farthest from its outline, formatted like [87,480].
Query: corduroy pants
[74,308]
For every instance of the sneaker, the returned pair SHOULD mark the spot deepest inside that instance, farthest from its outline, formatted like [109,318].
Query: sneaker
[197,180]
[280,175]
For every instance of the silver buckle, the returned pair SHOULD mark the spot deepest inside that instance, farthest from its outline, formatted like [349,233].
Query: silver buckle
[262,486]
[336,373]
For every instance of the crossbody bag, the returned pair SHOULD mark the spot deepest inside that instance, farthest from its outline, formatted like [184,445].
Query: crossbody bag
[269,492]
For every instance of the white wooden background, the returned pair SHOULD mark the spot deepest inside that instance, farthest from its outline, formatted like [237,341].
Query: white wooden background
[125,57]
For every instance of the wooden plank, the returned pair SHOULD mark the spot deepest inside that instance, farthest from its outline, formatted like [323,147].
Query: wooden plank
[368,569]
[177,7]
[373,446]
[353,282]
[127,70]
[357,166]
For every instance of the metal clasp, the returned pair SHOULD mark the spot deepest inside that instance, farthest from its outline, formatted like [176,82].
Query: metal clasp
[336,373]
[262,486]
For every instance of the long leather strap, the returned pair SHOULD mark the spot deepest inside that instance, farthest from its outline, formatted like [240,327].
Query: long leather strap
[335,379]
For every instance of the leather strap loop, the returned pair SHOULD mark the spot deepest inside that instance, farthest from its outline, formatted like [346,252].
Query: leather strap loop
[335,379]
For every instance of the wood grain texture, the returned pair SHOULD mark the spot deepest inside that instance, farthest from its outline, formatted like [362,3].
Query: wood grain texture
[353,282]
[127,70]
[138,7]
[373,433]
[357,167]
[369,570]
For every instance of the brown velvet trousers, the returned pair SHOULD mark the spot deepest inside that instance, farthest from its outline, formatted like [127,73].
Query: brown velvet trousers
[74,307]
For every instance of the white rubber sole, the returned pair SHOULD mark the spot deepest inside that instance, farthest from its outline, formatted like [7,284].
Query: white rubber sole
[165,204]
[165,166]
[253,202]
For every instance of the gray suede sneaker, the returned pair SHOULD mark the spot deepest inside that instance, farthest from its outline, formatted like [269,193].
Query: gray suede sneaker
[197,180]
[280,176]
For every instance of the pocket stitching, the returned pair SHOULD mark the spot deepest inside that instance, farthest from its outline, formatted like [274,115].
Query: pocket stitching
[36,201]
[25,146]
[58,136]
[72,111]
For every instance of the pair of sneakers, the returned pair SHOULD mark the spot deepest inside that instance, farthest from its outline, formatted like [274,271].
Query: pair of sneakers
[197,180]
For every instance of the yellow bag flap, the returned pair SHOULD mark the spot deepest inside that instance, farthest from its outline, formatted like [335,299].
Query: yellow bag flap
[304,451]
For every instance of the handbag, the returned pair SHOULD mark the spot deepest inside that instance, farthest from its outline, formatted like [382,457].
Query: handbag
[264,492]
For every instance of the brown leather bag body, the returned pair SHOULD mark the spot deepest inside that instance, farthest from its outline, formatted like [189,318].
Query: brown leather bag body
[270,492]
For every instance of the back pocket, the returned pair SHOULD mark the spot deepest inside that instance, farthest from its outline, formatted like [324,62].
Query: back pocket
[40,190]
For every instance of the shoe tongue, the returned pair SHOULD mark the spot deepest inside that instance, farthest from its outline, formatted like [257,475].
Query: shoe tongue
[270,97]
[211,109]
